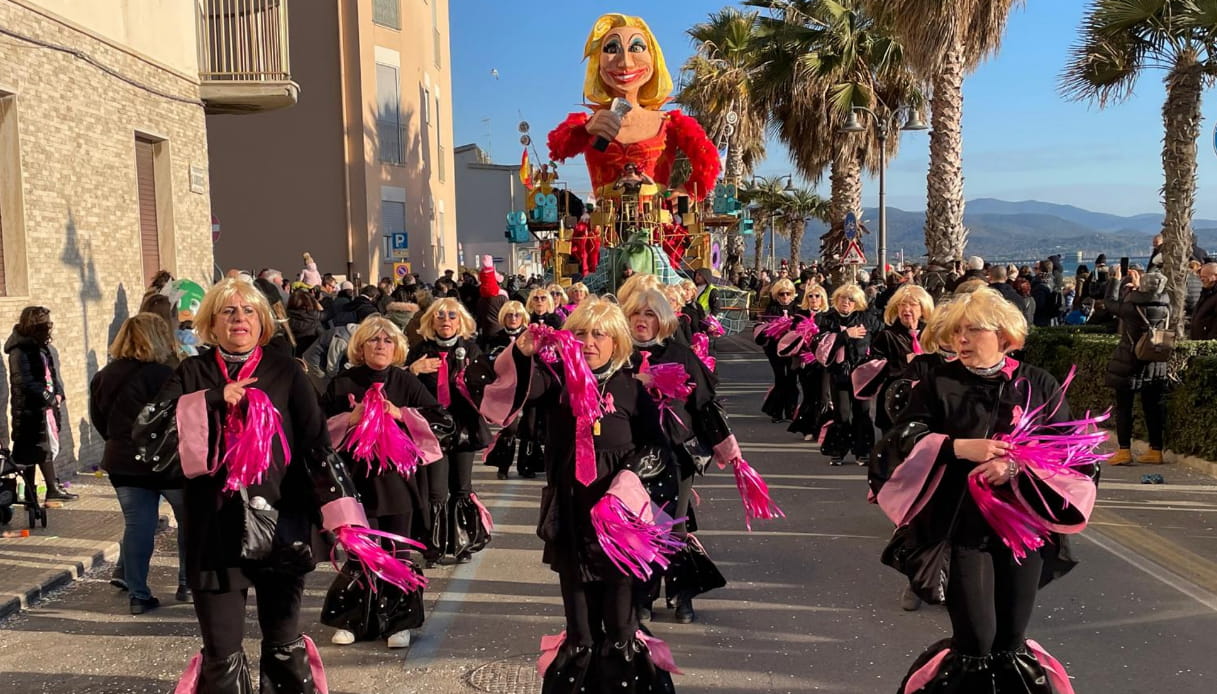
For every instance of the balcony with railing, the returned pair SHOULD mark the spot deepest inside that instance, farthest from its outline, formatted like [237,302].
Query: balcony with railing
[244,58]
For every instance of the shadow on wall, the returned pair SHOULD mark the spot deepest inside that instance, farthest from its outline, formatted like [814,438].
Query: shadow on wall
[80,257]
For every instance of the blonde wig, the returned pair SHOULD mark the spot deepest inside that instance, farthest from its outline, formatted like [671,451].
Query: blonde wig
[636,283]
[561,299]
[676,296]
[781,285]
[144,337]
[811,290]
[654,93]
[543,294]
[984,308]
[908,294]
[657,302]
[971,285]
[932,337]
[690,290]
[512,307]
[605,317]
[370,328]
[851,291]
[218,297]
[426,324]
[578,288]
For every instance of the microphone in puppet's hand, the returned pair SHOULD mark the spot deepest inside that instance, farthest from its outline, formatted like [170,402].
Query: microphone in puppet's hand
[619,107]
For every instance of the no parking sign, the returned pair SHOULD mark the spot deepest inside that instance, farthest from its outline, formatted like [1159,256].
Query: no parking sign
[401,270]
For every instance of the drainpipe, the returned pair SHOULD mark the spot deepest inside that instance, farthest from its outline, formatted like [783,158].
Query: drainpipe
[346,136]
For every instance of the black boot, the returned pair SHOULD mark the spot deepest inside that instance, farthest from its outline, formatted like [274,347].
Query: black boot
[684,609]
[285,669]
[225,675]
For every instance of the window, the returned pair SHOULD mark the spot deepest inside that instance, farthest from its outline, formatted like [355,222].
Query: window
[10,182]
[427,105]
[387,13]
[392,223]
[439,139]
[437,40]
[388,114]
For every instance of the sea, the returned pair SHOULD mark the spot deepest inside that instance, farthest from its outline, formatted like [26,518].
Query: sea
[1071,261]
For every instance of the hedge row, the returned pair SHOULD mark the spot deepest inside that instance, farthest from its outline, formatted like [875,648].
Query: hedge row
[1191,418]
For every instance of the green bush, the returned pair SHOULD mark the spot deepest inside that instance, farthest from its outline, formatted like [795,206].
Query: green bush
[1190,417]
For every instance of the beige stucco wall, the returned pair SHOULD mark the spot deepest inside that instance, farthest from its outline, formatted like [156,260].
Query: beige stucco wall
[160,30]
[77,128]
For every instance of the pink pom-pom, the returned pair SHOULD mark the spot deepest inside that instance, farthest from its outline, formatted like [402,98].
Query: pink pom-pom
[363,545]
[377,437]
[701,347]
[713,326]
[631,543]
[754,493]
[777,327]
[250,431]
[1019,529]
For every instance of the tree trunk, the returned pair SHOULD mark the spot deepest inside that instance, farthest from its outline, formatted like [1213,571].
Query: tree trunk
[1181,127]
[796,240]
[846,181]
[735,241]
[945,234]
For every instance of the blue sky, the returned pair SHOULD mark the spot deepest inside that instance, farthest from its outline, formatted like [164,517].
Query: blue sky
[1022,141]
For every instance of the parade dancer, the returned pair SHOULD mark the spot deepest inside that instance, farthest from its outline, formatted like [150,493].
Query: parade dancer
[985,458]
[895,346]
[844,343]
[253,445]
[777,320]
[453,369]
[502,452]
[381,420]
[806,421]
[603,434]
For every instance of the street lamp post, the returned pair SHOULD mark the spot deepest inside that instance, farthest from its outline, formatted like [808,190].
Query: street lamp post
[772,229]
[912,121]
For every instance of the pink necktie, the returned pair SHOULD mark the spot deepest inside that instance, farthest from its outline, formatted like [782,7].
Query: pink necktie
[443,392]
[916,343]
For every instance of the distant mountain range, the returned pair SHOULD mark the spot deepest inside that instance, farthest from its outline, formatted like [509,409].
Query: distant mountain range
[1027,230]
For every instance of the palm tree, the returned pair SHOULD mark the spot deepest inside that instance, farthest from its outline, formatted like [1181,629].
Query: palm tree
[766,196]
[819,59]
[1121,39]
[944,40]
[802,205]
[719,94]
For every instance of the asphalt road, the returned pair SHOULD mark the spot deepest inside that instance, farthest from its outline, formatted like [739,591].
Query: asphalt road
[808,608]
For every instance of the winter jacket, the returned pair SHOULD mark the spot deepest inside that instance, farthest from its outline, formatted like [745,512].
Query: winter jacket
[400,312]
[1045,303]
[116,395]
[32,395]
[1204,318]
[305,323]
[1193,293]
[309,275]
[1124,370]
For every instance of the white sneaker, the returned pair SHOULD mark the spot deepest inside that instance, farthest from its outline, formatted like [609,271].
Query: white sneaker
[342,637]
[809,437]
[399,640]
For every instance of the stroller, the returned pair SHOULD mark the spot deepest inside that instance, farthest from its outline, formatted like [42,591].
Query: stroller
[10,472]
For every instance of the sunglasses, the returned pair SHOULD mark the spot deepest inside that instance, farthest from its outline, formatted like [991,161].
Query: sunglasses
[450,315]
[785,293]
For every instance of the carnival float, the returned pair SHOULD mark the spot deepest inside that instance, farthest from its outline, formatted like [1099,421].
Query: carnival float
[656,204]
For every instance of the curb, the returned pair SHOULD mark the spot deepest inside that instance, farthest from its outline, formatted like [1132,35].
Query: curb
[1198,465]
[21,598]
[71,569]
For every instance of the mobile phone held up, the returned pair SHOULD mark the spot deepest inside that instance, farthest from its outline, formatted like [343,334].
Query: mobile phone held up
[1124,266]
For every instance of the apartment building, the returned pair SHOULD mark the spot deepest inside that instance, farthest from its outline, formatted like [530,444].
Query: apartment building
[104,166]
[360,172]
[485,193]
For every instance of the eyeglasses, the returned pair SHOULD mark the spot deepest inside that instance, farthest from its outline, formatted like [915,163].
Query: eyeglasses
[785,293]
[450,315]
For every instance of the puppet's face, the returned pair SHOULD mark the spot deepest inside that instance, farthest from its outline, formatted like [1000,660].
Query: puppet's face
[626,63]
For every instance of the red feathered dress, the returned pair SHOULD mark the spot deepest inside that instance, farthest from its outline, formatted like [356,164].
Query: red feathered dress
[653,156]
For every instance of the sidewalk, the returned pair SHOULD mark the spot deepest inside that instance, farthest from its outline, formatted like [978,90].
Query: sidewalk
[79,535]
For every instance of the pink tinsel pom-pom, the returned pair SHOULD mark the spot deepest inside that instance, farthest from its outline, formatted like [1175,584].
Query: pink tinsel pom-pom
[363,545]
[713,326]
[754,493]
[562,345]
[1018,528]
[249,434]
[701,347]
[377,437]
[630,542]
[777,327]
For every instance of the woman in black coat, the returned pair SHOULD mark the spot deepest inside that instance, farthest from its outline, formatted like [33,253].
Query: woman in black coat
[514,321]
[906,315]
[951,432]
[141,351]
[301,487]
[851,327]
[806,419]
[543,309]
[1139,302]
[35,396]
[364,607]
[604,649]
[453,368]
[783,398]
[303,319]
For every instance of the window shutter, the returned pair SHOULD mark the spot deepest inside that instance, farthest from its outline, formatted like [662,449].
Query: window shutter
[149,238]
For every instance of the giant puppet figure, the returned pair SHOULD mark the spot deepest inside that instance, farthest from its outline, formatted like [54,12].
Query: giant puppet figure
[624,62]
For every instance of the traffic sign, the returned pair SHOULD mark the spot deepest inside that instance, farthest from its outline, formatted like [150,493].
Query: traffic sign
[851,226]
[400,270]
[853,255]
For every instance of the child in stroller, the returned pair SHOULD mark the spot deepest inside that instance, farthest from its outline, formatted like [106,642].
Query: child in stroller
[10,471]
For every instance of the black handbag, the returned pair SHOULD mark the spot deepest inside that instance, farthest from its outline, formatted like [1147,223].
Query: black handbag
[926,564]
[261,523]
